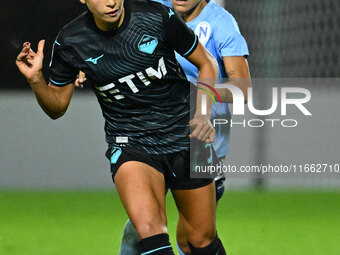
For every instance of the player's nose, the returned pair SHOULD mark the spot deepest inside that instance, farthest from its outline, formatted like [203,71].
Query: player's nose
[110,3]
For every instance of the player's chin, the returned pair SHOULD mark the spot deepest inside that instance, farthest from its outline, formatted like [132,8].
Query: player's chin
[181,8]
[110,19]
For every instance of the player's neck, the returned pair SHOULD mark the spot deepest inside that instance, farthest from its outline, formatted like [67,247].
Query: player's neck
[108,26]
[194,12]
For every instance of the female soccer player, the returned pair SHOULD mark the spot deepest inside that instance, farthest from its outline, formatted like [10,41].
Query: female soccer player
[126,48]
[219,32]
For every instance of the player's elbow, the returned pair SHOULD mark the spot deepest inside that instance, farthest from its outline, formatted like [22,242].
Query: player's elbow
[55,111]
[55,114]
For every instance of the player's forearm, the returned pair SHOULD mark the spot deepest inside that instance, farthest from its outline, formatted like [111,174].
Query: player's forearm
[206,109]
[47,98]
[237,69]
[206,78]
[242,84]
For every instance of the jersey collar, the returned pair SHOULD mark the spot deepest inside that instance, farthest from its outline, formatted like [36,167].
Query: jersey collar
[210,2]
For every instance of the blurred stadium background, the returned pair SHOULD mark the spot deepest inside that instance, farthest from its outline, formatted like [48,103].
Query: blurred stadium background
[56,194]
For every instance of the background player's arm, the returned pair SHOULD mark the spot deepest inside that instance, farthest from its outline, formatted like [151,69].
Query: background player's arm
[231,47]
[208,72]
[188,46]
[238,73]
[53,100]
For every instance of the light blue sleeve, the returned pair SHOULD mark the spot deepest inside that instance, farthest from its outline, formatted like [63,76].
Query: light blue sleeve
[228,38]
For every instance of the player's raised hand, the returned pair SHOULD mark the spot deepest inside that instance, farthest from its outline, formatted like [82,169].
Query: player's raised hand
[80,79]
[203,130]
[30,63]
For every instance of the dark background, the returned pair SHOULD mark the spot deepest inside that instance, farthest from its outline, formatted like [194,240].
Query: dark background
[286,38]
[31,21]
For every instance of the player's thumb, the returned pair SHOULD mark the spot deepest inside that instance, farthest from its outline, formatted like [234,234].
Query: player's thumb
[81,76]
[41,46]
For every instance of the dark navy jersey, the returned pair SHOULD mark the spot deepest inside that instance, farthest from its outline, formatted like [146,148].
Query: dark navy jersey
[141,88]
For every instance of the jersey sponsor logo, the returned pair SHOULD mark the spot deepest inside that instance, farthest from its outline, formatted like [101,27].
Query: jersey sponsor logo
[94,60]
[148,44]
[171,12]
[203,31]
[145,77]
[115,154]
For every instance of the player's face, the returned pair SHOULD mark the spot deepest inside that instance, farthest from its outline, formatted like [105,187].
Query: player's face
[108,14]
[185,6]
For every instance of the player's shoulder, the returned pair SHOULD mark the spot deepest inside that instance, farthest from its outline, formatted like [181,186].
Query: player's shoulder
[76,26]
[221,21]
[218,14]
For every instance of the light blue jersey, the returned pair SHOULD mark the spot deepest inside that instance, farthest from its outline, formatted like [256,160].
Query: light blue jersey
[219,33]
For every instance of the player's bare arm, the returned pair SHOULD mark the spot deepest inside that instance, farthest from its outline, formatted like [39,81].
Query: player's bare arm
[53,100]
[208,71]
[238,73]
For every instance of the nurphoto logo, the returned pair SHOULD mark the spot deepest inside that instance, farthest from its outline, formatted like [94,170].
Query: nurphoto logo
[289,96]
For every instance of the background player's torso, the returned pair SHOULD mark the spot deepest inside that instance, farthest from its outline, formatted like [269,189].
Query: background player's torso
[218,31]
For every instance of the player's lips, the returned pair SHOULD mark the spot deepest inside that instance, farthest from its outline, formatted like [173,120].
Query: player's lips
[113,13]
[180,2]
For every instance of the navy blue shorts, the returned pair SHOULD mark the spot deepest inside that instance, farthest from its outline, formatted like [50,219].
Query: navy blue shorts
[174,166]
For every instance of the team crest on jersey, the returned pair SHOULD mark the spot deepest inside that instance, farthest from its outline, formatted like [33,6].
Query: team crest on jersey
[148,44]
[203,31]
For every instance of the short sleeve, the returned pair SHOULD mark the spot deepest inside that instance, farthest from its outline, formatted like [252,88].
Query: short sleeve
[228,38]
[61,70]
[181,38]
